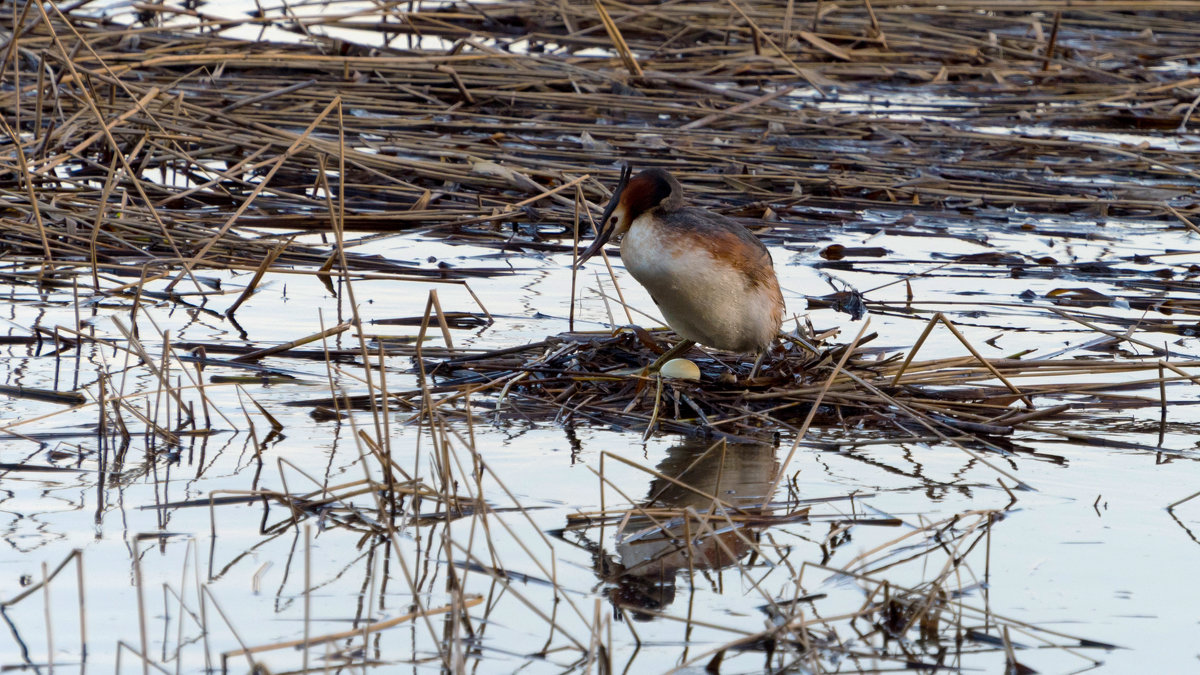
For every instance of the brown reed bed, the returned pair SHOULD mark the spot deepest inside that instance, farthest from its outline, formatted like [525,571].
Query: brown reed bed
[172,138]
[144,161]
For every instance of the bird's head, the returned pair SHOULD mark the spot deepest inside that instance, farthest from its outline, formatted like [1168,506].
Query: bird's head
[649,190]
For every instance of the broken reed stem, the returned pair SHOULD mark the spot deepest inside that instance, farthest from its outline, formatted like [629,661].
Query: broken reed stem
[1053,41]
[875,29]
[746,105]
[986,364]
[267,351]
[915,348]
[47,613]
[306,642]
[436,306]
[1105,331]
[139,588]
[367,629]
[1172,505]
[579,202]
[618,41]
[258,275]
[963,340]
[658,385]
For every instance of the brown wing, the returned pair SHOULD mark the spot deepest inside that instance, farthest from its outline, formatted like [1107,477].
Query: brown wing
[726,239]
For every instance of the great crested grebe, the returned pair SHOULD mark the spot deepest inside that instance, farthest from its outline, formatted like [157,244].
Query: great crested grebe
[712,279]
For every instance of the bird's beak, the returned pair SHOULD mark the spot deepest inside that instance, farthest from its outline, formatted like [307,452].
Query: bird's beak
[605,230]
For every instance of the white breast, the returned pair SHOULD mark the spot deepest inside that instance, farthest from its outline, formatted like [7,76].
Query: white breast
[702,298]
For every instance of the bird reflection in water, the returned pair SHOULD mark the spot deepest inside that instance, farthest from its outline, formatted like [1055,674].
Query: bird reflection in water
[652,543]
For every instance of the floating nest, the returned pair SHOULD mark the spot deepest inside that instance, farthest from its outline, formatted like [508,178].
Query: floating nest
[803,382]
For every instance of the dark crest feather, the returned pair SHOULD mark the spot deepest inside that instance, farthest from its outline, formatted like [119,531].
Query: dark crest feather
[652,188]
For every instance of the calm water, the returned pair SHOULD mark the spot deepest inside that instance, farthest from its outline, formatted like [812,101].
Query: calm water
[1091,553]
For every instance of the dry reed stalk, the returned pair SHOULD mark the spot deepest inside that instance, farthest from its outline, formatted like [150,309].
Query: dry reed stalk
[267,351]
[342,635]
[614,34]
[277,95]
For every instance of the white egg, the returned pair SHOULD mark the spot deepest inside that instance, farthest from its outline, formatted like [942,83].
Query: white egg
[680,369]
